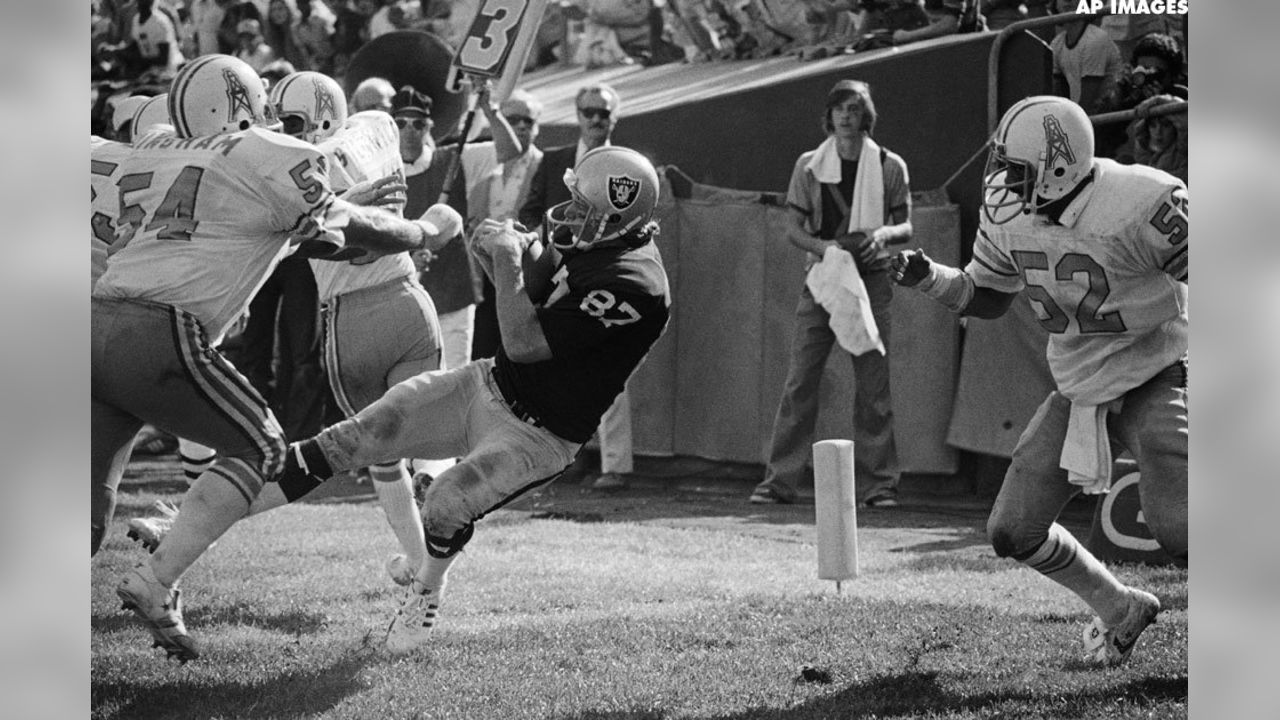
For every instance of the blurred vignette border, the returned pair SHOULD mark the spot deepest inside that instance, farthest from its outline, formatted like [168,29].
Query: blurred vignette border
[1235,456]
[1235,354]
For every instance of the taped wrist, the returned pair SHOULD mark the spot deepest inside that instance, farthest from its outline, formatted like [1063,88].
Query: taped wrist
[950,287]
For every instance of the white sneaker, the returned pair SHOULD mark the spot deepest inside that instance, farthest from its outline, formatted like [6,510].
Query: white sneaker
[411,628]
[400,570]
[151,530]
[160,610]
[1112,646]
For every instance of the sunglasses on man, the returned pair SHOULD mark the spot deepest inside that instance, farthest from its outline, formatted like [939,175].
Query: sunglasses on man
[595,113]
[519,119]
[417,123]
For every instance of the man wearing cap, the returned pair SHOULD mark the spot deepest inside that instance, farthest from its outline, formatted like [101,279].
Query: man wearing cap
[447,276]
[597,107]
[850,195]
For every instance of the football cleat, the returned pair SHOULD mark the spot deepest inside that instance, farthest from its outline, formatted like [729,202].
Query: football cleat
[411,628]
[1112,646]
[400,570]
[160,610]
[150,531]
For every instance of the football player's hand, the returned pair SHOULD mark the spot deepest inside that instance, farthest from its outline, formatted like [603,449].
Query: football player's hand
[387,190]
[496,239]
[422,259]
[909,267]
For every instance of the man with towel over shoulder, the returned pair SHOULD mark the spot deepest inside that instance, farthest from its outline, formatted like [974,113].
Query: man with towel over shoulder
[849,199]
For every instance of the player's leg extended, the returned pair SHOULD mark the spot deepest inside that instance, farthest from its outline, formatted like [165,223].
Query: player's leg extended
[181,384]
[510,457]
[793,425]
[211,403]
[876,457]
[1023,523]
[1153,425]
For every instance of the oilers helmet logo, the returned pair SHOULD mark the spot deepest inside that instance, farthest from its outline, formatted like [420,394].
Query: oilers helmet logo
[1057,143]
[237,96]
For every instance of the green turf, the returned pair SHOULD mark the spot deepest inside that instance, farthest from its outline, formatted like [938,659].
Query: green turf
[644,604]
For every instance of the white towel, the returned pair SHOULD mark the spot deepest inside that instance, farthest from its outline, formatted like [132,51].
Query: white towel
[838,288]
[1086,450]
[866,212]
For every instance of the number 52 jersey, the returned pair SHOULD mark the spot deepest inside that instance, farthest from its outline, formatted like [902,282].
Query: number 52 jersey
[203,221]
[1108,281]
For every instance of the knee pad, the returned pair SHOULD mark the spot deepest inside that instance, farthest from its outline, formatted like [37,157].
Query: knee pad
[448,515]
[447,547]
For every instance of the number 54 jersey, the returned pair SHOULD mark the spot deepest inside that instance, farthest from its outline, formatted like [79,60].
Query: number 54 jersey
[1108,280]
[203,221]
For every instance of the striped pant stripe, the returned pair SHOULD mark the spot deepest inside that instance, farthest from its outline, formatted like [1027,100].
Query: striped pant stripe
[225,389]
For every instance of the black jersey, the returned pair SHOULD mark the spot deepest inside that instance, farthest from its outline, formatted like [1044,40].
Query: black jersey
[606,309]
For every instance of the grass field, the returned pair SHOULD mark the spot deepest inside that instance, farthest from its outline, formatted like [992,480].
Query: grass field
[666,600]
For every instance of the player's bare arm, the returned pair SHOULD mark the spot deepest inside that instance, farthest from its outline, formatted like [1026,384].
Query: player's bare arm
[505,248]
[381,232]
[950,287]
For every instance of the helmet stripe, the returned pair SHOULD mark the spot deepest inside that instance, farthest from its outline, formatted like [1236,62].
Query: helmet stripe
[177,108]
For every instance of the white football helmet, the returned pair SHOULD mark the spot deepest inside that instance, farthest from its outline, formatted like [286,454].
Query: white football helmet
[153,111]
[122,111]
[309,105]
[615,191]
[1042,149]
[216,94]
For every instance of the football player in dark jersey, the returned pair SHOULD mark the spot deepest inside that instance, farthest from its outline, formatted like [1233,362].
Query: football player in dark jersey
[579,305]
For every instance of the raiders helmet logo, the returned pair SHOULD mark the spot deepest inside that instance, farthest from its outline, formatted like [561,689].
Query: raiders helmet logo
[237,96]
[623,191]
[1057,144]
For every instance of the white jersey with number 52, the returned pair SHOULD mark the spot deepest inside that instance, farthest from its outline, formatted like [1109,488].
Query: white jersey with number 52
[1109,282]
[203,221]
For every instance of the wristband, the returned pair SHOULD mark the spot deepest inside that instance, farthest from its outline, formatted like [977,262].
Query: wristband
[950,287]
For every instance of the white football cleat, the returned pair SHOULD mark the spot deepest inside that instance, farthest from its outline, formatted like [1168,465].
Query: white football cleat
[1112,646]
[151,530]
[160,610]
[411,628]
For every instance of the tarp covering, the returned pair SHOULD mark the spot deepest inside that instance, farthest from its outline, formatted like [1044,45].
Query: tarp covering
[711,386]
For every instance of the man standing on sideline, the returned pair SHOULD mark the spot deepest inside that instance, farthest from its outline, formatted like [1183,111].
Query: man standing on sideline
[499,174]
[851,194]
[1101,251]
[598,107]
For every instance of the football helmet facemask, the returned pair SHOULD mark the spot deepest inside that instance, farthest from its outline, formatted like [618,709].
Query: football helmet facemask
[309,105]
[216,94]
[615,191]
[1042,149]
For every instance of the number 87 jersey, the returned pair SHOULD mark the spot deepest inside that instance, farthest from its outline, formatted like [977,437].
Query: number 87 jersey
[1108,281]
[203,221]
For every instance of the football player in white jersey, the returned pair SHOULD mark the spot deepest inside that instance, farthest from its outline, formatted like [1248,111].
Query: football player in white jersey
[1100,249]
[380,325]
[205,215]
